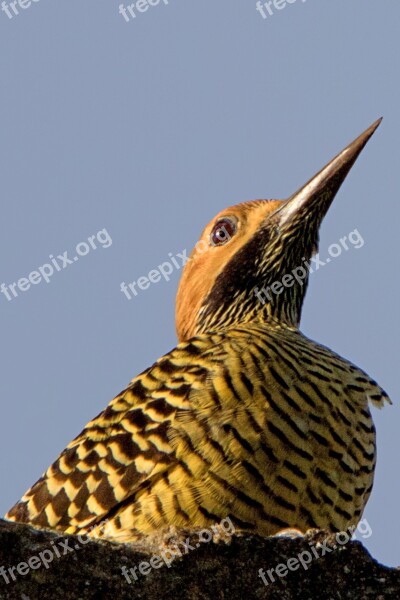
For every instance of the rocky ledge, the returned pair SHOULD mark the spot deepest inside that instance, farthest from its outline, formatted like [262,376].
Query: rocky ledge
[197,565]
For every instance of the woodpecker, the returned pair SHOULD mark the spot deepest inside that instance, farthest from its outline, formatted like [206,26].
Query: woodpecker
[246,417]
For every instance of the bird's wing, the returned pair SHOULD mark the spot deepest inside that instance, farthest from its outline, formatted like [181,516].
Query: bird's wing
[123,448]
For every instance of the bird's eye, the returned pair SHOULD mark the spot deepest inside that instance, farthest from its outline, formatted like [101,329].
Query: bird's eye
[222,231]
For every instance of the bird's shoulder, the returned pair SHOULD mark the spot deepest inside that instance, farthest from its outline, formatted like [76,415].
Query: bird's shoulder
[125,445]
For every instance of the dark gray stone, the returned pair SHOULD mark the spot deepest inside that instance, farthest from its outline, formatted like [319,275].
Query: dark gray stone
[223,568]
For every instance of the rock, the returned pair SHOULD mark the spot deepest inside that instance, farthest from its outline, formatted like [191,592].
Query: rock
[40,565]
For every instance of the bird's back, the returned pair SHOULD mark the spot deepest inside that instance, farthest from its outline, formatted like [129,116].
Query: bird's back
[259,424]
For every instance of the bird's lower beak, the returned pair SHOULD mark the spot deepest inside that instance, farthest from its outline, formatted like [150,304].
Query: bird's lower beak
[311,202]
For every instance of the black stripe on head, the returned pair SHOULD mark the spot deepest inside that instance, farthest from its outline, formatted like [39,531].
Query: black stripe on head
[242,273]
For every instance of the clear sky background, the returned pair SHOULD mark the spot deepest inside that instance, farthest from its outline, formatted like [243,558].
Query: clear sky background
[147,129]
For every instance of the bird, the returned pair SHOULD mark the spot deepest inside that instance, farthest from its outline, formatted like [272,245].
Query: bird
[246,418]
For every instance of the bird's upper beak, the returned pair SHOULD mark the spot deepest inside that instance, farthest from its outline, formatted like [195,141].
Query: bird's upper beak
[311,202]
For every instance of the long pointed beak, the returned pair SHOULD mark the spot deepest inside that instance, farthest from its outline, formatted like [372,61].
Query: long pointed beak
[311,202]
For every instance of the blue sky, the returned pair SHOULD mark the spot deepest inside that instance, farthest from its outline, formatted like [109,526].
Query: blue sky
[141,130]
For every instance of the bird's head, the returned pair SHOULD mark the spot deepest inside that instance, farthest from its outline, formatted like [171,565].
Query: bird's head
[250,263]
